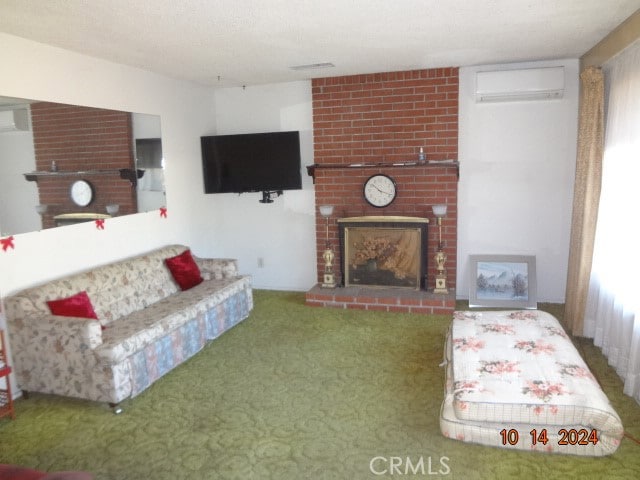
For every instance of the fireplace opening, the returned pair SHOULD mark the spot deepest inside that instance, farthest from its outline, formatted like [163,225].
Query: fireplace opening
[385,252]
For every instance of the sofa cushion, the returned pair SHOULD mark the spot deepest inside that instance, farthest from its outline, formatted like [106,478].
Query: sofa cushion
[184,270]
[78,305]
[132,333]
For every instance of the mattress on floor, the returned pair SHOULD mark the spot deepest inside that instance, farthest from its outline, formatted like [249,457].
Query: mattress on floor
[515,380]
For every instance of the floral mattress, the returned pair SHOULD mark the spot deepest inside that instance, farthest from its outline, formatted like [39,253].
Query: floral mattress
[515,380]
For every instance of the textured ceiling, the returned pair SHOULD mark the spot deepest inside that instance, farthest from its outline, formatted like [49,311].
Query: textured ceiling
[244,42]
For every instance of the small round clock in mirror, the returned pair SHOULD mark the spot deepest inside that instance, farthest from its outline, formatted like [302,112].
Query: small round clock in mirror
[81,193]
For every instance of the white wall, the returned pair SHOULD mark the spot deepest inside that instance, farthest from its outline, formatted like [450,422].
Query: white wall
[281,234]
[517,166]
[17,156]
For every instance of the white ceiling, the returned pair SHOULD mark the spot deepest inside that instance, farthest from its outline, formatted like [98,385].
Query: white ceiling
[245,42]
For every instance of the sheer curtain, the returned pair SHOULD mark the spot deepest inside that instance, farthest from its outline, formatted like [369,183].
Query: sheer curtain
[612,316]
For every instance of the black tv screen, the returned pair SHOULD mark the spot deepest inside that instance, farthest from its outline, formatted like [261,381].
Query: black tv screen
[252,162]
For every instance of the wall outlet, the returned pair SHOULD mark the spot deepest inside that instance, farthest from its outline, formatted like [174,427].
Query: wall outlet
[260,262]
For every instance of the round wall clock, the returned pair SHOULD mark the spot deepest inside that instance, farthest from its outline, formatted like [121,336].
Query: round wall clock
[81,193]
[380,190]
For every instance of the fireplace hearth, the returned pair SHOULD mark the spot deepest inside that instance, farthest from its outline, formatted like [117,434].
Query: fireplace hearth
[382,299]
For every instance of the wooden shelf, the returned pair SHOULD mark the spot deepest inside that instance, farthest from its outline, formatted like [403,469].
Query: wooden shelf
[125,173]
[33,176]
[311,169]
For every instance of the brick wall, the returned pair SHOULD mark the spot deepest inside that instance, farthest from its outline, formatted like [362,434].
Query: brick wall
[382,119]
[82,139]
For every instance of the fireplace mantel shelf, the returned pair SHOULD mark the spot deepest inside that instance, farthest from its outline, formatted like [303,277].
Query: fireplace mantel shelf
[125,174]
[311,169]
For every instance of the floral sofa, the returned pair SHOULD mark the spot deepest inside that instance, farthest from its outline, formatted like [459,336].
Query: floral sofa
[144,325]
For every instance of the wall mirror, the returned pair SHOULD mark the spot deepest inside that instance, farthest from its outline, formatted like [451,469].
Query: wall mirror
[62,164]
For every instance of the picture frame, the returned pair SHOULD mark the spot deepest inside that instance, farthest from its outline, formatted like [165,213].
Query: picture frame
[503,281]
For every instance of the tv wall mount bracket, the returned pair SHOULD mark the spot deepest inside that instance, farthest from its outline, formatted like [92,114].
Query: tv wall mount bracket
[266,195]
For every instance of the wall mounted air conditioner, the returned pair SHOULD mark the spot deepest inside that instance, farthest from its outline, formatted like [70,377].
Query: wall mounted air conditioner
[545,83]
[14,120]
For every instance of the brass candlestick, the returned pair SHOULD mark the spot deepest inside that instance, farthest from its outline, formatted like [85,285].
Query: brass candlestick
[440,258]
[328,278]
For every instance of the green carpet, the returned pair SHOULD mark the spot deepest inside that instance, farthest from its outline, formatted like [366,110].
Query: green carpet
[296,392]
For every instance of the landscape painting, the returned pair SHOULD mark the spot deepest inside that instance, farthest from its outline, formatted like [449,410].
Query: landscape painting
[502,281]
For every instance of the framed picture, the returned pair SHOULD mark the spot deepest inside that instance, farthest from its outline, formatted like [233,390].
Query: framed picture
[503,281]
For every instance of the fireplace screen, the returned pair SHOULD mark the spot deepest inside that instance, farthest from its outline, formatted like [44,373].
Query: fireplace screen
[384,255]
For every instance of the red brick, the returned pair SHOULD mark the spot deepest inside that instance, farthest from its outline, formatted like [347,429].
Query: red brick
[357,306]
[344,299]
[366,300]
[410,301]
[377,308]
[398,309]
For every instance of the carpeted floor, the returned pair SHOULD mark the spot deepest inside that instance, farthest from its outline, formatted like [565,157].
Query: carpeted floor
[296,392]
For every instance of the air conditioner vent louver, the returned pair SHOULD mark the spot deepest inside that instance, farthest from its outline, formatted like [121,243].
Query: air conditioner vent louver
[520,85]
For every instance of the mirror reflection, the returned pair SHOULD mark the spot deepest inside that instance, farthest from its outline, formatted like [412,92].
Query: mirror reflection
[63,164]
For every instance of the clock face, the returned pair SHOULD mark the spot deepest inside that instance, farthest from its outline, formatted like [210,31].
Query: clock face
[81,193]
[380,190]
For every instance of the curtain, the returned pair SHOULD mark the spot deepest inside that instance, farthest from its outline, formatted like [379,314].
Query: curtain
[586,196]
[612,314]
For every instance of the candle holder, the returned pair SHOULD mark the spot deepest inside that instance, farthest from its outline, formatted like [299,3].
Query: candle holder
[328,278]
[440,258]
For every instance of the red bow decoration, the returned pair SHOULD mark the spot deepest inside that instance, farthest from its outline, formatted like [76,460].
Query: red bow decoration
[163,212]
[7,243]
[100,223]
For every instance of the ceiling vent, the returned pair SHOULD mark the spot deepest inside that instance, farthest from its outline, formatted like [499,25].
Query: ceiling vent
[14,120]
[520,85]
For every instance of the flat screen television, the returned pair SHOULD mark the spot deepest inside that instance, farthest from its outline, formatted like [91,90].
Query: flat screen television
[253,162]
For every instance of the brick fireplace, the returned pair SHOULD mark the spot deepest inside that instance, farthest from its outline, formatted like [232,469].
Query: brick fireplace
[377,123]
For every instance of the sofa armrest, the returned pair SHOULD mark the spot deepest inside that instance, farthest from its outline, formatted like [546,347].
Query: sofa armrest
[55,332]
[217,268]
[54,354]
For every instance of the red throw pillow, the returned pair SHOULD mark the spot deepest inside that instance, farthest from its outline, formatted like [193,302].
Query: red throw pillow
[78,305]
[184,269]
